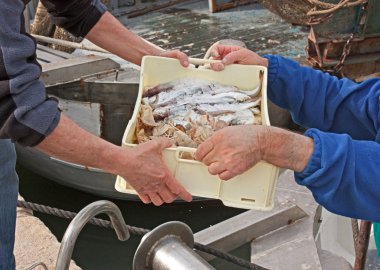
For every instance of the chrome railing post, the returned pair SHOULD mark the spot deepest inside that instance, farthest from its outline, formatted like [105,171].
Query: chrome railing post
[169,247]
[76,226]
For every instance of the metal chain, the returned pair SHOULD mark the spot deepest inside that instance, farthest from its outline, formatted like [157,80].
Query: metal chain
[347,46]
[136,231]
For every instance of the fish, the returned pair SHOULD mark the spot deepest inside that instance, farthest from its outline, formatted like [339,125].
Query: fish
[190,110]
[218,109]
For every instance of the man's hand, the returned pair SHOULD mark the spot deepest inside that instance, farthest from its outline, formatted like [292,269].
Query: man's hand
[235,55]
[182,57]
[232,150]
[146,172]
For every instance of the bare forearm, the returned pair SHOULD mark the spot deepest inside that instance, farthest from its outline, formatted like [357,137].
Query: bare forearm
[71,143]
[286,149]
[111,35]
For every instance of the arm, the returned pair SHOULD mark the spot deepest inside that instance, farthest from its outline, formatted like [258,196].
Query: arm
[88,18]
[315,99]
[233,150]
[343,174]
[29,118]
[318,100]
[142,167]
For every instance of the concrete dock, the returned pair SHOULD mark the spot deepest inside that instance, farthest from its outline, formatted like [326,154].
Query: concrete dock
[35,243]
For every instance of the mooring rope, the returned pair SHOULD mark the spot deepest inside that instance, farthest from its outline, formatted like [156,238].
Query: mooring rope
[136,231]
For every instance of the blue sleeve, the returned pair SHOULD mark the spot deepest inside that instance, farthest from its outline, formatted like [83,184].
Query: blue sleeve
[318,100]
[343,174]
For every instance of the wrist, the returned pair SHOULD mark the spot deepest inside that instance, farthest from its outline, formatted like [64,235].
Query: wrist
[264,62]
[286,149]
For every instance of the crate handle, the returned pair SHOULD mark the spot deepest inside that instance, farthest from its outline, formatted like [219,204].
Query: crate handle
[179,153]
[198,61]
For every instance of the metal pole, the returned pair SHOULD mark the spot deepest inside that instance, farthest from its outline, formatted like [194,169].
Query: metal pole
[362,244]
[76,226]
[169,247]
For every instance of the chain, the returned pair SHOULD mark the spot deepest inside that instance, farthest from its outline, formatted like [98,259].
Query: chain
[347,46]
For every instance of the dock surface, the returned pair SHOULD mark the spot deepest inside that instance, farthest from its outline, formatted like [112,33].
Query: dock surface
[35,243]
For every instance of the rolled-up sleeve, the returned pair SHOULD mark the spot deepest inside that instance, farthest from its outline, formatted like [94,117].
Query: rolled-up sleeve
[76,16]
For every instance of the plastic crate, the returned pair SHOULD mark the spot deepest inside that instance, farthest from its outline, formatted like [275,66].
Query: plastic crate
[252,190]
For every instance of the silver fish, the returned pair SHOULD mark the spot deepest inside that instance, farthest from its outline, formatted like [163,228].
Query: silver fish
[226,108]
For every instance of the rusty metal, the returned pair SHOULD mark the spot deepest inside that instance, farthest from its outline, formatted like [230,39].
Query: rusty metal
[355,234]
[362,245]
[348,43]
[214,6]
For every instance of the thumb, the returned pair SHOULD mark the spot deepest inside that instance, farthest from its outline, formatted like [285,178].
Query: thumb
[164,143]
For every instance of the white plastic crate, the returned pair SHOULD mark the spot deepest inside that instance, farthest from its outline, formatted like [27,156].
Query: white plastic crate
[252,190]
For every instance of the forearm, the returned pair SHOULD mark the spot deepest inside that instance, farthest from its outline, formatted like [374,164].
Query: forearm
[71,143]
[286,149]
[120,40]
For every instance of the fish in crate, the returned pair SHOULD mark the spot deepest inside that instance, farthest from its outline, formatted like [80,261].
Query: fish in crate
[190,110]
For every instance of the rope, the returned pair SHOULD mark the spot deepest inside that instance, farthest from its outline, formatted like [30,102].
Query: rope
[136,231]
[326,9]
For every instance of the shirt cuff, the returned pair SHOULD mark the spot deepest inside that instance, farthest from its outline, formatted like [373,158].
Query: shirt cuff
[273,68]
[314,163]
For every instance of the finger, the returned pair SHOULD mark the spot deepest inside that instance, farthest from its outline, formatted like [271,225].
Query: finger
[177,188]
[167,195]
[182,57]
[226,175]
[203,149]
[185,195]
[144,198]
[215,53]
[234,57]
[216,168]
[217,66]
[155,198]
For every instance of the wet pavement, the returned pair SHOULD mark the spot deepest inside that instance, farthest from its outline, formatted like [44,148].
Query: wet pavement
[191,28]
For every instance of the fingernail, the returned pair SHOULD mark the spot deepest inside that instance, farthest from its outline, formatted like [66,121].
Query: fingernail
[186,63]
[224,61]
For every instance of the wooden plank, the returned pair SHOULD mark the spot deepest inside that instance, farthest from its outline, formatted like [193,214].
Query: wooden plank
[75,68]
[46,57]
[243,228]
[61,54]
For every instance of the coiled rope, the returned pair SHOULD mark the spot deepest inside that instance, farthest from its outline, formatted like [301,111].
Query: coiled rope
[136,231]
[323,8]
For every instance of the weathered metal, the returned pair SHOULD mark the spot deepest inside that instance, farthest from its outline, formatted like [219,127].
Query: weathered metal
[77,224]
[169,247]
[348,40]
[362,244]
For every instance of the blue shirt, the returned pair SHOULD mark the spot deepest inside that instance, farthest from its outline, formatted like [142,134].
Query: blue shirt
[343,172]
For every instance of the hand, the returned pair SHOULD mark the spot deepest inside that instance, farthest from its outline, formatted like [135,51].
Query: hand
[182,57]
[235,55]
[148,175]
[232,150]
